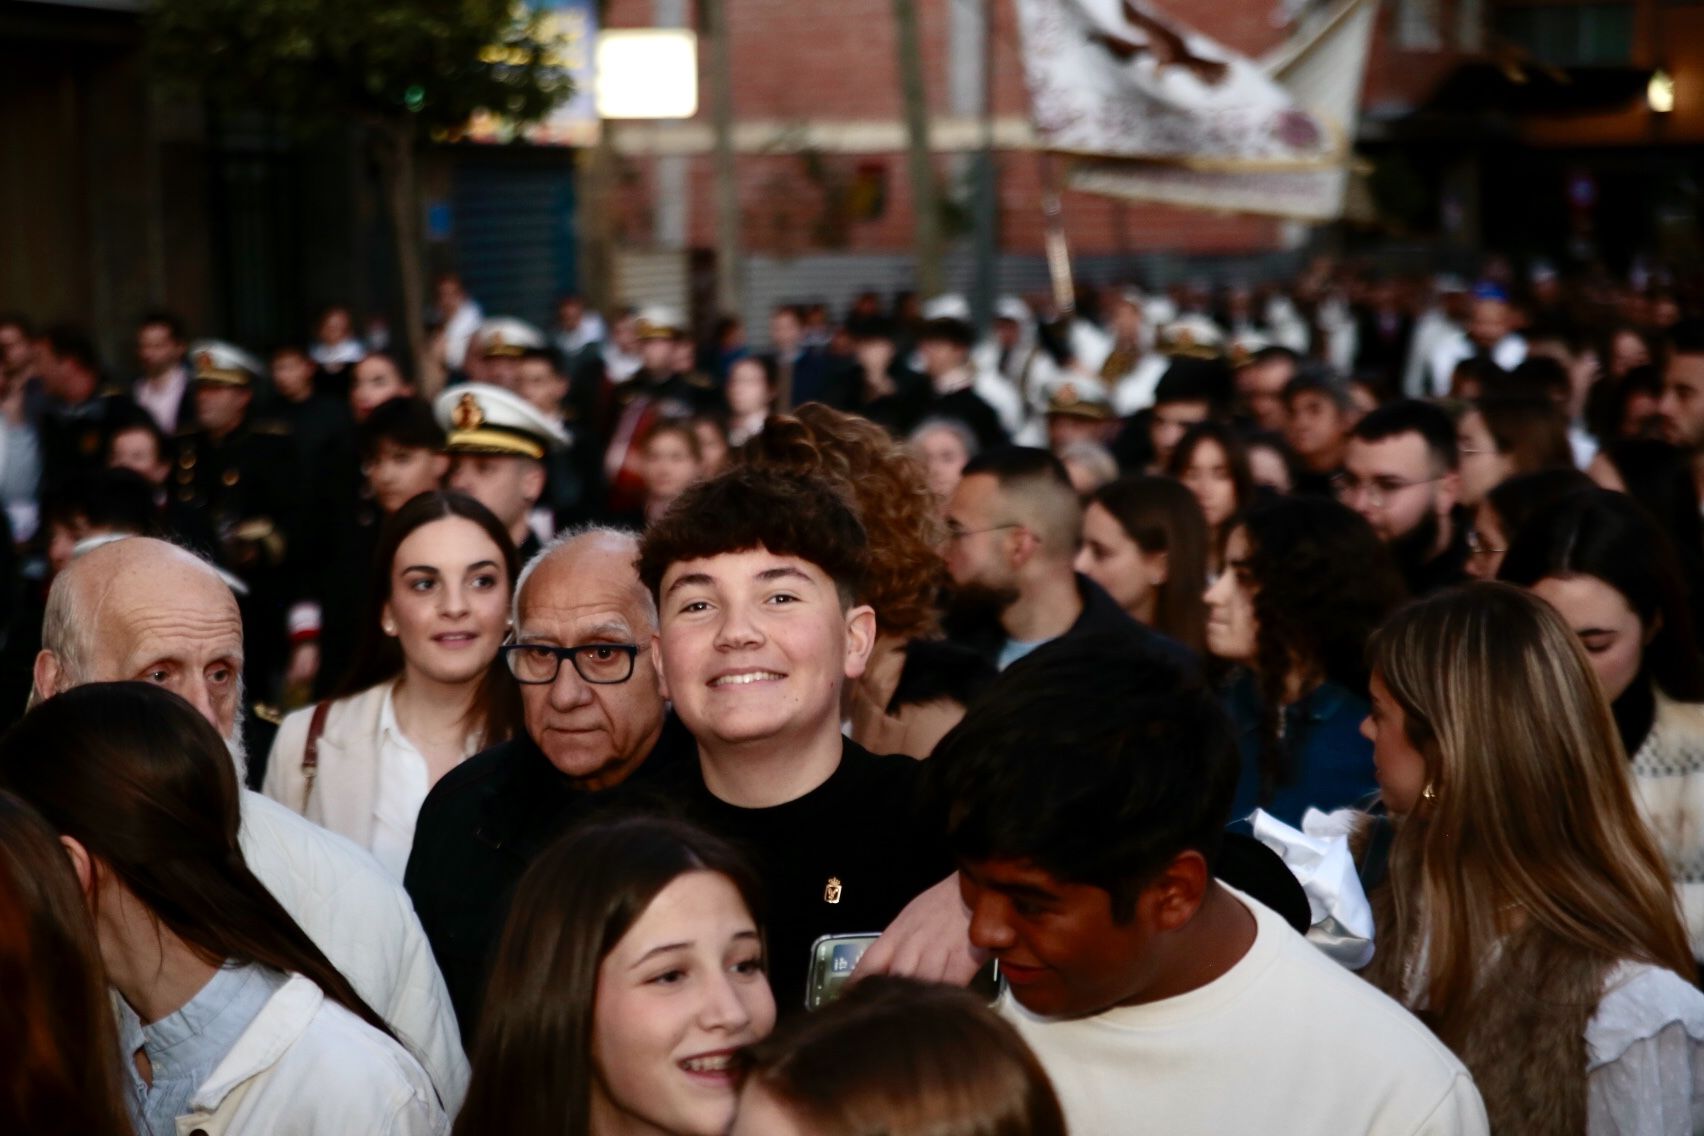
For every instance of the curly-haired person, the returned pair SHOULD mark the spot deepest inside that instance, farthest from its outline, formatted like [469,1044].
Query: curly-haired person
[916,685]
[1306,583]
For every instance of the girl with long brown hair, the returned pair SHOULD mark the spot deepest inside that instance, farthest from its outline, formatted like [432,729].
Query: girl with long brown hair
[1145,542]
[231,1019]
[628,978]
[424,692]
[1525,912]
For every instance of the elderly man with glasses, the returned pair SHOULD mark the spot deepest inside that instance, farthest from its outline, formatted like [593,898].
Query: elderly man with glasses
[597,731]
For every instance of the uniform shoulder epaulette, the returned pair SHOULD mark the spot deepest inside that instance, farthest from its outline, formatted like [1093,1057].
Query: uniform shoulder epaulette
[266,712]
[702,382]
[272,428]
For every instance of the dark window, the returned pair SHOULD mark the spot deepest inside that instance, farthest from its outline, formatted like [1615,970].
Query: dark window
[1569,35]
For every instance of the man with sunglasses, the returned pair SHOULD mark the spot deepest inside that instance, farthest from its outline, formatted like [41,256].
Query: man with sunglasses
[597,734]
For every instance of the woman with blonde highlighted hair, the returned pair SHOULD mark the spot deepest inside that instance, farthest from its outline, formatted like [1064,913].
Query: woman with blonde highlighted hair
[1524,910]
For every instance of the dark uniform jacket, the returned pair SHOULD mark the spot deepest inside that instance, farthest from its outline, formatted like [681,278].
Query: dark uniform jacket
[74,438]
[247,488]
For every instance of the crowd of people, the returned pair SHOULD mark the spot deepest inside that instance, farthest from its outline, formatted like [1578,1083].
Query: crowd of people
[1258,709]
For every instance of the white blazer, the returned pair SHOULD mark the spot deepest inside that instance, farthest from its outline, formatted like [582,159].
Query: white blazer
[346,789]
[365,924]
[307,1066]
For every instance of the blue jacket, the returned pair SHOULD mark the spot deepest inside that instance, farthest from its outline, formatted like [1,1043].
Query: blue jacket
[1331,765]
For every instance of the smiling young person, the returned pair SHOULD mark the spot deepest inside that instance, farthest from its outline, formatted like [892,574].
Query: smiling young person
[422,694]
[619,998]
[1087,844]
[759,577]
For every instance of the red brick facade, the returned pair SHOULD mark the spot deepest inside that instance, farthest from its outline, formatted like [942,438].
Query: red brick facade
[835,62]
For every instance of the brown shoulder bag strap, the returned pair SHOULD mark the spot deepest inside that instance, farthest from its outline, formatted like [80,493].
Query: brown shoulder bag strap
[310,753]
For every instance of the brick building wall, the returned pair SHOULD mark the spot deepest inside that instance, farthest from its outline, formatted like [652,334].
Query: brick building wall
[829,63]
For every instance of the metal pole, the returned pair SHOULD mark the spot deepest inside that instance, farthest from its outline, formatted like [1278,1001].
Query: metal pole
[925,213]
[596,220]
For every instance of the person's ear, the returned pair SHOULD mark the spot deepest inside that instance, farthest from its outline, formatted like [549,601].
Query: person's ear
[1158,568]
[1174,895]
[81,863]
[657,665]
[387,620]
[532,482]
[1449,491]
[47,675]
[860,639]
[1652,630]
[1021,544]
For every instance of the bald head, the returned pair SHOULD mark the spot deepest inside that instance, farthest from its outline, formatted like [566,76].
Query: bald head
[604,558]
[143,609]
[583,590]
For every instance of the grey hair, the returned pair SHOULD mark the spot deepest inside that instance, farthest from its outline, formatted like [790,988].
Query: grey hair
[562,540]
[1097,461]
[966,437]
[70,639]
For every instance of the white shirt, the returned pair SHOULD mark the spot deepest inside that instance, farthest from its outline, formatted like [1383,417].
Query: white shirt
[161,399]
[589,330]
[1508,354]
[458,329]
[402,787]
[1284,1042]
[1430,330]
[1645,1056]
[1135,391]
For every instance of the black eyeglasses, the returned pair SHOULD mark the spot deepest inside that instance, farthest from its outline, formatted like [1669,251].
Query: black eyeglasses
[602,664]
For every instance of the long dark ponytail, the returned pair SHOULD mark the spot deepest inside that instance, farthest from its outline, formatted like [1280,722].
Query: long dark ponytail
[145,783]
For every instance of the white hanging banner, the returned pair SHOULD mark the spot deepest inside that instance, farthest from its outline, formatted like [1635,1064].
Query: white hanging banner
[1153,111]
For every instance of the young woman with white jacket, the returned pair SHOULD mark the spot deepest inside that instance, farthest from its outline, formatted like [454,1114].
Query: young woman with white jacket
[422,693]
[230,1019]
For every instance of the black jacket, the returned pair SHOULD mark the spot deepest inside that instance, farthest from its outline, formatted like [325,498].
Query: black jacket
[1100,615]
[480,828]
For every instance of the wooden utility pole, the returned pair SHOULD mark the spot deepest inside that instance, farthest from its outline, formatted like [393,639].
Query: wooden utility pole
[595,216]
[730,267]
[930,279]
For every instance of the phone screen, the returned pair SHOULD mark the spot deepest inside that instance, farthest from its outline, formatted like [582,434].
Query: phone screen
[833,959]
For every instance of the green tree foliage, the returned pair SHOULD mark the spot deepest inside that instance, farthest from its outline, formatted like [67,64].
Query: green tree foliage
[406,69]
[430,63]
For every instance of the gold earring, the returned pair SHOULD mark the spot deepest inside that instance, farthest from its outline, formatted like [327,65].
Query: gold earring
[1429,793]
[390,628]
